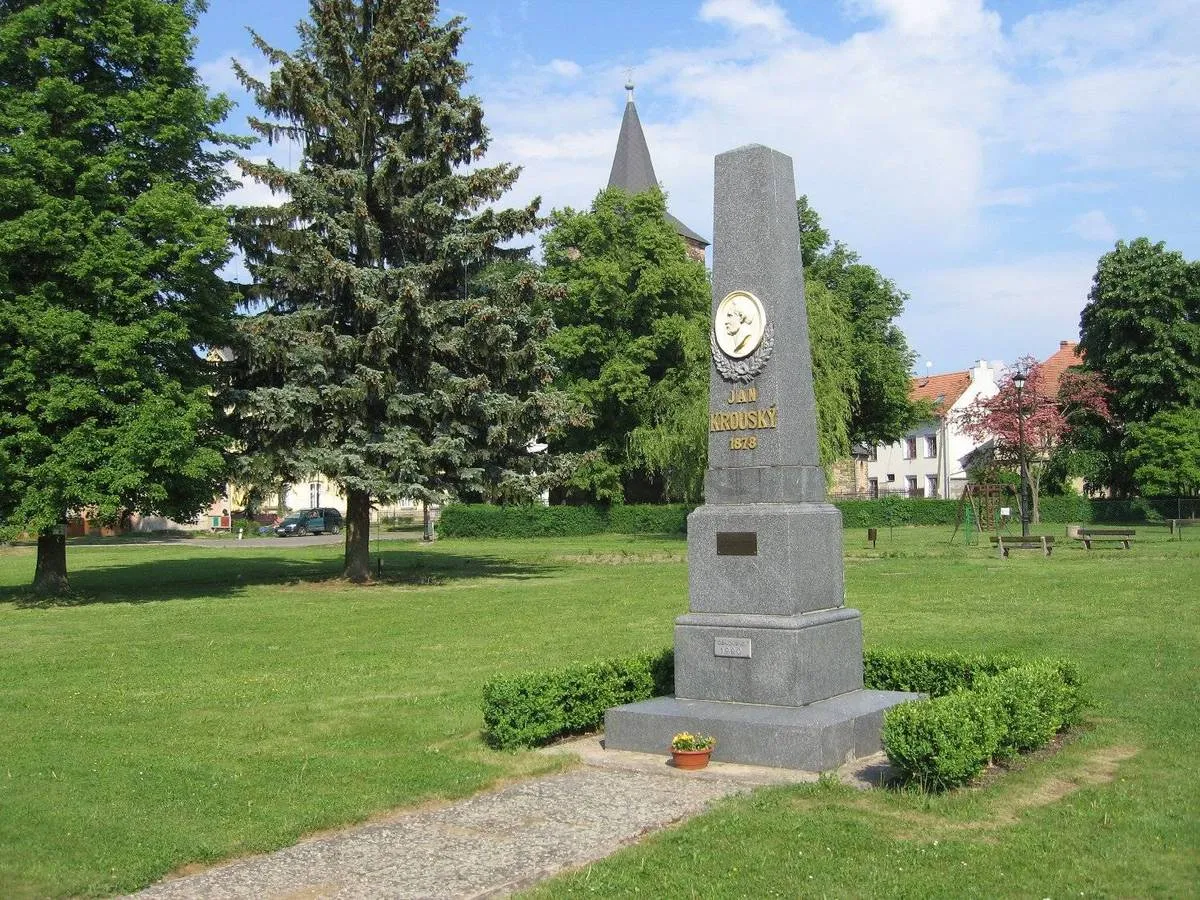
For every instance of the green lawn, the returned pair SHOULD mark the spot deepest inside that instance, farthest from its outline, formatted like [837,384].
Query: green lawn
[201,703]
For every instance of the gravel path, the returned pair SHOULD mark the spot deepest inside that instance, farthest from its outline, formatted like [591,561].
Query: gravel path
[492,844]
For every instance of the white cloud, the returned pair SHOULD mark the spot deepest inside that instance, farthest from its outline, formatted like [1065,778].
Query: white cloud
[912,136]
[218,75]
[565,67]
[746,15]
[1006,309]
[1085,35]
[249,192]
[1094,225]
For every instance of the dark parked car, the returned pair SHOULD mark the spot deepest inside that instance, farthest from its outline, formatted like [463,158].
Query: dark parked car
[312,521]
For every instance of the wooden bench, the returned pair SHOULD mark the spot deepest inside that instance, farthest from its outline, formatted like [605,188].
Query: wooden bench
[1122,536]
[1177,524]
[1045,543]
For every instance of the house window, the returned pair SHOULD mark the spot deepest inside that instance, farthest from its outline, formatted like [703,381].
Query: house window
[931,486]
[873,453]
[314,493]
[930,446]
[873,488]
[910,448]
[911,486]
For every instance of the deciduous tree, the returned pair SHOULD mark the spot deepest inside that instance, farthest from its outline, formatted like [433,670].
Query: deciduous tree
[1141,329]
[1039,416]
[633,346]
[388,354]
[873,377]
[1164,453]
[110,162]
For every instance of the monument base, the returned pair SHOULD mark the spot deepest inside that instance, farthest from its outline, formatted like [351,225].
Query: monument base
[815,738]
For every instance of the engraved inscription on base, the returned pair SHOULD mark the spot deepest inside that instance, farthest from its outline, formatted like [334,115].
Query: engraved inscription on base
[738,647]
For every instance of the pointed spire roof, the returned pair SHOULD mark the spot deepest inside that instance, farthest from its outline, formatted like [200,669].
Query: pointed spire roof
[632,169]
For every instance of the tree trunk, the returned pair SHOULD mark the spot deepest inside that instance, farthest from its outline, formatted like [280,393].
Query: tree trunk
[1035,515]
[50,577]
[358,537]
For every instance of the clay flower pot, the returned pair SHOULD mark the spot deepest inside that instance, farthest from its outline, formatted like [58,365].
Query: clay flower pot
[690,759]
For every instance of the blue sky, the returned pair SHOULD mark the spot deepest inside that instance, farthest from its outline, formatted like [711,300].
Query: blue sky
[982,155]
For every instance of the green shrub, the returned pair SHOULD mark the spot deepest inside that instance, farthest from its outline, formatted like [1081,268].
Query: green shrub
[1074,699]
[998,709]
[537,707]
[486,521]
[943,742]
[936,673]
[983,706]
[894,510]
[483,520]
[645,518]
[1028,702]
[535,520]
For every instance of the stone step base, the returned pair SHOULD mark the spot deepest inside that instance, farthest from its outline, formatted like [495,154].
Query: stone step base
[814,738]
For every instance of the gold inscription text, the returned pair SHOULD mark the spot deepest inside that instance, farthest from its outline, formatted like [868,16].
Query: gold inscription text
[742,420]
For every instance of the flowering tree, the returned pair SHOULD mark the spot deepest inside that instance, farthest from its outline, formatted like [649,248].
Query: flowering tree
[1044,414]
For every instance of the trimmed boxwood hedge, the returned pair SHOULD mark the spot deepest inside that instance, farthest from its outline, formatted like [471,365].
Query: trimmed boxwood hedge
[945,741]
[948,740]
[534,708]
[983,706]
[482,520]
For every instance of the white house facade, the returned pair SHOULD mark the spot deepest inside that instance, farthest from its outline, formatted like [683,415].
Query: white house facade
[929,461]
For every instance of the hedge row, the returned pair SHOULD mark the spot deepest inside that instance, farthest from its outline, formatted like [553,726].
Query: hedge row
[938,673]
[948,740]
[936,741]
[481,520]
[535,708]
[897,511]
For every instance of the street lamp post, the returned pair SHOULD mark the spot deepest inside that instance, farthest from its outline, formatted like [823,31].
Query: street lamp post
[1019,384]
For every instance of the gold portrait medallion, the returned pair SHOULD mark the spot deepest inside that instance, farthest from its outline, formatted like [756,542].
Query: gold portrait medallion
[739,324]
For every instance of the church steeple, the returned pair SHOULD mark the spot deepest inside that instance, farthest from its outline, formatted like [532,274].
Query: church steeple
[633,171]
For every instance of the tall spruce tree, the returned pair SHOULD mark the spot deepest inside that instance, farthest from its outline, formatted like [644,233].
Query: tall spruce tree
[109,248]
[388,353]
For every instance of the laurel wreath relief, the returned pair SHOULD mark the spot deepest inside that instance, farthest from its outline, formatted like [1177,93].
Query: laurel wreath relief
[748,367]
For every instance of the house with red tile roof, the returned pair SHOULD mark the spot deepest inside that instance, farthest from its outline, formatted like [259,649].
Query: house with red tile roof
[929,460]
[1064,358]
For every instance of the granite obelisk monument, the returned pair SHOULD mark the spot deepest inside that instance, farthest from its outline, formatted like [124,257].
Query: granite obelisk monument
[768,658]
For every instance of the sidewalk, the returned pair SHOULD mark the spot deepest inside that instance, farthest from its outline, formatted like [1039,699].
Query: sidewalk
[494,844]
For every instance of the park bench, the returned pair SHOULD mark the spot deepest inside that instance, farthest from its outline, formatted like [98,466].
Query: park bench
[1042,542]
[1177,524]
[1122,536]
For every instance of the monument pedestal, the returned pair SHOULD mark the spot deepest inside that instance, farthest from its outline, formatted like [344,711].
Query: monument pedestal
[815,738]
[772,660]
